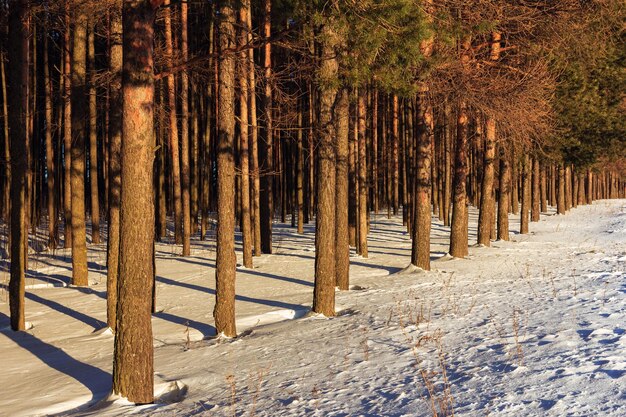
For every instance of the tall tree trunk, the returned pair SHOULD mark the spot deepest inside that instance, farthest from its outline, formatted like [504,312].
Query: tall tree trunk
[560,200]
[267,188]
[18,101]
[6,198]
[420,250]
[300,171]
[543,189]
[133,360]
[363,183]
[173,130]
[504,196]
[226,260]
[254,145]
[184,136]
[50,165]
[526,180]
[93,140]
[353,151]
[458,231]
[568,187]
[394,155]
[374,163]
[243,78]
[79,132]
[324,289]
[115,147]
[487,195]
[342,238]
[447,136]
[67,130]
[536,195]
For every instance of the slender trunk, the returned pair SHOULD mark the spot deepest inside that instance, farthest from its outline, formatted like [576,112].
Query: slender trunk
[374,160]
[487,195]
[93,140]
[504,196]
[173,130]
[115,180]
[560,202]
[133,361]
[394,155]
[254,145]
[18,96]
[50,165]
[525,209]
[7,157]
[184,135]
[568,187]
[458,231]
[300,173]
[363,184]
[161,226]
[420,252]
[226,260]
[447,136]
[342,239]
[544,189]
[79,131]
[514,182]
[243,136]
[67,130]
[536,192]
[267,188]
[352,181]
[324,287]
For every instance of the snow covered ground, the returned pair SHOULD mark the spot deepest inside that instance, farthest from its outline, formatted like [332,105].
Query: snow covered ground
[531,327]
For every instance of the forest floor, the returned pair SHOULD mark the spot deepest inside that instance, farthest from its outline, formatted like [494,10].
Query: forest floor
[534,326]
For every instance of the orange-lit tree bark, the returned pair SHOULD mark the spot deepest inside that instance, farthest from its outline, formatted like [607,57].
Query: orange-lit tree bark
[6,181]
[50,154]
[67,129]
[267,180]
[115,148]
[185,170]
[18,101]
[420,249]
[133,364]
[93,139]
[224,312]
[525,208]
[487,195]
[342,239]
[243,78]
[504,196]
[173,130]
[324,287]
[255,185]
[79,131]
[560,191]
[536,191]
[395,186]
[362,168]
[458,230]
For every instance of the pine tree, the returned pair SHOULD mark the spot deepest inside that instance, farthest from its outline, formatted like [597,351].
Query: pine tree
[133,376]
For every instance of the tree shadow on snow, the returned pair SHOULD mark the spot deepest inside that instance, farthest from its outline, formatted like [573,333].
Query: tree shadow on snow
[94,379]
[206,329]
[249,271]
[271,303]
[88,320]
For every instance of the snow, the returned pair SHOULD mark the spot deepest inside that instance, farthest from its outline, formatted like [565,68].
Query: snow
[534,326]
